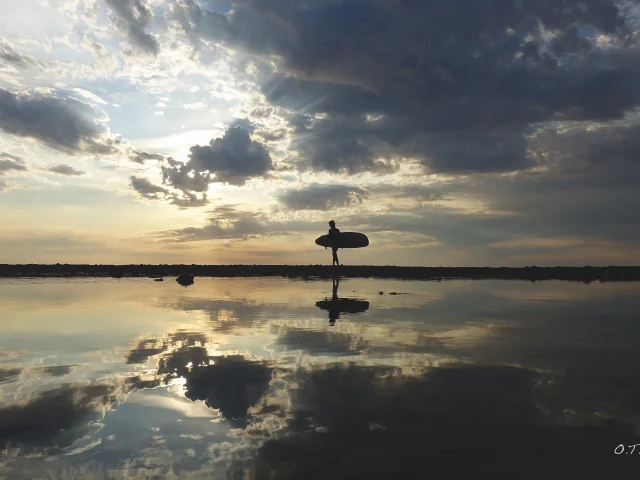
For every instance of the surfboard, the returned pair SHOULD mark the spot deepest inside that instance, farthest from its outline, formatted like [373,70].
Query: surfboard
[344,305]
[346,240]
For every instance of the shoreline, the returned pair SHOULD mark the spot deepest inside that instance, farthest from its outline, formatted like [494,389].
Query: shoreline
[585,274]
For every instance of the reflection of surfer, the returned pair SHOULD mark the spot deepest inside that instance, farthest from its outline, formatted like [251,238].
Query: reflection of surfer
[334,307]
[337,306]
[334,236]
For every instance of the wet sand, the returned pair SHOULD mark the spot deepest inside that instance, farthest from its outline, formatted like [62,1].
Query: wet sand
[578,274]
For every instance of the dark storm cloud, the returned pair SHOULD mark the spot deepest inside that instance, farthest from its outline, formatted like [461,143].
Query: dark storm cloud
[67,170]
[132,17]
[10,56]
[575,206]
[453,84]
[322,197]
[339,143]
[607,155]
[64,124]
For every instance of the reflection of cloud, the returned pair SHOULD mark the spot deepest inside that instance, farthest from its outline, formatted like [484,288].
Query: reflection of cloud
[231,384]
[226,315]
[149,347]
[321,343]
[56,370]
[39,421]
[9,374]
[63,415]
[373,422]
[187,409]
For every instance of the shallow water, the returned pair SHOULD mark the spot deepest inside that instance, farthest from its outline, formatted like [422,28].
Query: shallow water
[276,378]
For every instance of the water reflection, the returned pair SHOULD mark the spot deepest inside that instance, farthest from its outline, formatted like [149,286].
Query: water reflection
[245,378]
[337,305]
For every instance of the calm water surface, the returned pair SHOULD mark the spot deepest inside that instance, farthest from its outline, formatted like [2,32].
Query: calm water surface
[275,378]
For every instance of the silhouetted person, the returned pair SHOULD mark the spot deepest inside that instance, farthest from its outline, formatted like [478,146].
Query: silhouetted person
[334,235]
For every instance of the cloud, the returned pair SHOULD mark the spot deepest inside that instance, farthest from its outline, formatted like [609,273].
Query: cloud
[232,159]
[147,189]
[141,157]
[132,17]
[181,176]
[223,224]
[67,170]
[375,83]
[11,162]
[417,192]
[322,197]
[10,56]
[64,124]
[183,200]
[596,154]
[189,200]
[228,223]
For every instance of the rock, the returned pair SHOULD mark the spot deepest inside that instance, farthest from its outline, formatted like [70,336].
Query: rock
[159,280]
[185,279]
[380,292]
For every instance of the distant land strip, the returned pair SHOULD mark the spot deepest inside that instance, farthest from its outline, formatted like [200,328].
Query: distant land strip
[579,274]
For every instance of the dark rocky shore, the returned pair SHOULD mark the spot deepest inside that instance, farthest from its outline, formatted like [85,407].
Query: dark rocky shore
[577,274]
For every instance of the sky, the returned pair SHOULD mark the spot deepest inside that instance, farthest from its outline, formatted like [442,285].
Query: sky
[451,132]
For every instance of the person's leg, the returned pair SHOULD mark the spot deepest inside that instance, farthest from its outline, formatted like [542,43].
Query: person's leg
[335,256]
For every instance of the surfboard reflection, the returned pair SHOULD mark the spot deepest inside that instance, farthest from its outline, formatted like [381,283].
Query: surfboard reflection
[337,305]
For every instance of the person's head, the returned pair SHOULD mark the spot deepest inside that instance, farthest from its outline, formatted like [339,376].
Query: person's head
[332,224]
